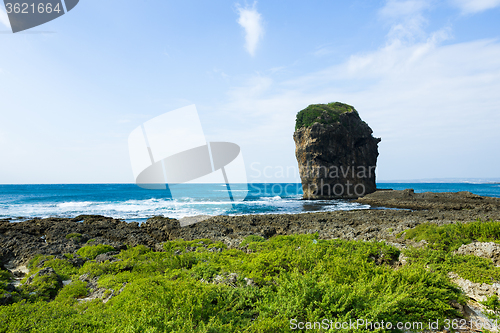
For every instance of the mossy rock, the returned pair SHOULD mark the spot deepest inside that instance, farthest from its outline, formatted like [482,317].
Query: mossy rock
[92,251]
[76,236]
[252,239]
[43,285]
[321,113]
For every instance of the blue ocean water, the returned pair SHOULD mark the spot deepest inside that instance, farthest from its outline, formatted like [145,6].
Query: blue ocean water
[132,203]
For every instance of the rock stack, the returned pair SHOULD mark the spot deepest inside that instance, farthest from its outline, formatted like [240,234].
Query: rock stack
[336,152]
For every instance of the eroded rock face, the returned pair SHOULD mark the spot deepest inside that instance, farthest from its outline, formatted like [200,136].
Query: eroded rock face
[488,250]
[477,291]
[337,159]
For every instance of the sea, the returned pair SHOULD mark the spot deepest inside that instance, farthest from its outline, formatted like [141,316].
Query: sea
[131,203]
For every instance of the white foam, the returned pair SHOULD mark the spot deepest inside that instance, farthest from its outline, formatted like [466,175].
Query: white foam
[74,204]
[178,208]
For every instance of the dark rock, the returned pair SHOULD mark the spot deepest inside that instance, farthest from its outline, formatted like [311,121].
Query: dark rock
[337,154]
[108,256]
[91,281]
[5,256]
[429,200]
[6,298]
[47,271]
[162,228]
[77,262]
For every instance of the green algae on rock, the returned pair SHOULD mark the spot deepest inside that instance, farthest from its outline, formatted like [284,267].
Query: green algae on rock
[321,113]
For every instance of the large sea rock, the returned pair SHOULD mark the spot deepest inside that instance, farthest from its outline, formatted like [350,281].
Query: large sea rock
[336,152]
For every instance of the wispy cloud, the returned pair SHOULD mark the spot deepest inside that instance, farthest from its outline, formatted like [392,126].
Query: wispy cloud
[251,20]
[475,6]
[220,72]
[323,50]
[406,19]
[4,19]
[416,97]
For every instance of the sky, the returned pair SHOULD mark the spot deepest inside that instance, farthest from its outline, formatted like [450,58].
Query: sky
[424,74]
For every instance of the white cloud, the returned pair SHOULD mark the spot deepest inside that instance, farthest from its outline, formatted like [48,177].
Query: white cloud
[324,50]
[435,107]
[4,19]
[406,19]
[220,72]
[475,6]
[251,21]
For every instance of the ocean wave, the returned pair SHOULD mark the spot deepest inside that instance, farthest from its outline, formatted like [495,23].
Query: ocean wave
[143,209]
[232,191]
[129,203]
[74,204]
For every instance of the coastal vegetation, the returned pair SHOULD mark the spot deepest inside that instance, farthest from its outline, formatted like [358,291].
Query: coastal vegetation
[261,286]
[442,242]
[450,237]
[321,113]
[200,286]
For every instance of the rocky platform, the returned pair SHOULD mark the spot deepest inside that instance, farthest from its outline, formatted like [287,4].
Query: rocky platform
[21,241]
[430,200]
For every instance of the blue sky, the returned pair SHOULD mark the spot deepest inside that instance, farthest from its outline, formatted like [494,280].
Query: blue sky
[425,75]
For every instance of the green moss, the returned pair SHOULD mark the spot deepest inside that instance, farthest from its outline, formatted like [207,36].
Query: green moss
[452,236]
[42,288]
[5,277]
[475,269]
[217,245]
[74,235]
[71,292]
[181,245]
[62,267]
[321,113]
[298,276]
[439,255]
[134,252]
[252,239]
[92,251]
[492,303]
[37,259]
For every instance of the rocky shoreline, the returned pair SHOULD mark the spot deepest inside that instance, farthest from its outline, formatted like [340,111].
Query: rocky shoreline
[392,213]
[21,241]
